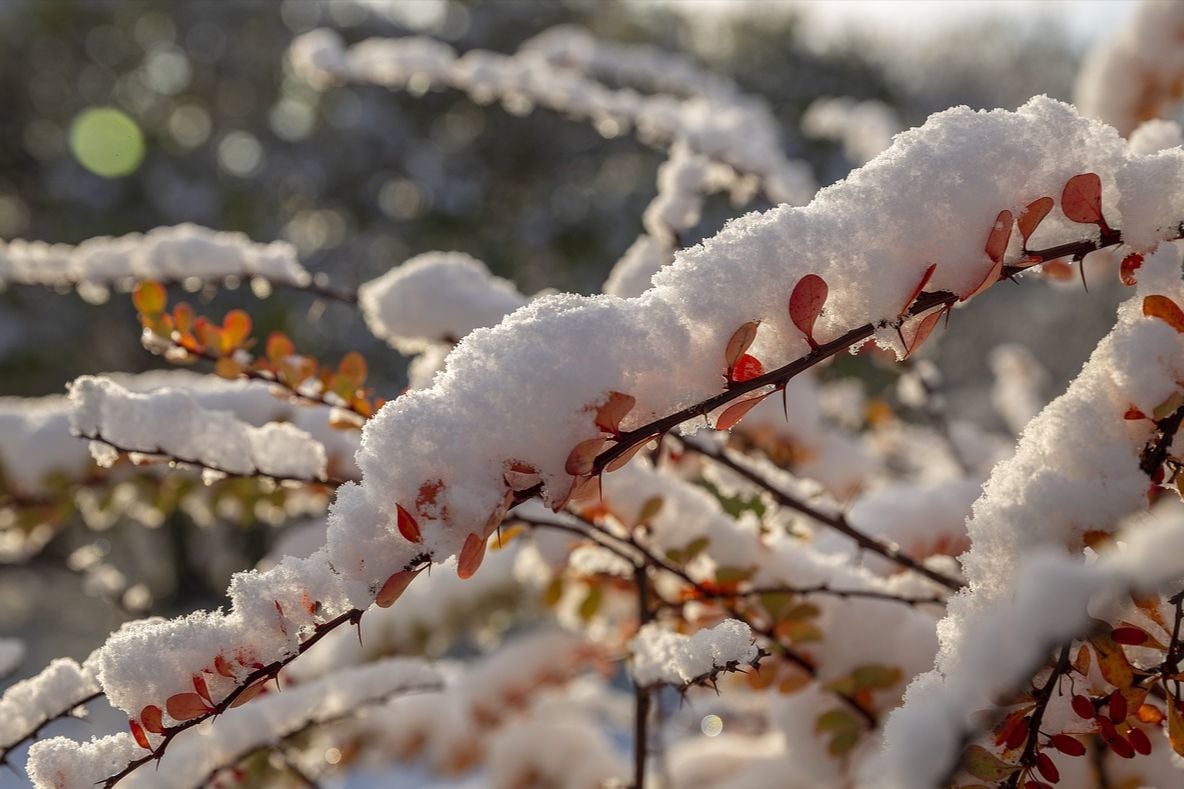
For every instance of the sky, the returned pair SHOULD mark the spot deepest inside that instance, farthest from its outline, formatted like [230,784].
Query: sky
[1084,20]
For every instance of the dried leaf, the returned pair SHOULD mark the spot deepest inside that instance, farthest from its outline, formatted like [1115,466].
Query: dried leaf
[1168,311]
[614,409]
[472,553]
[1175,726]
[1033,215]
[1082,199]
[1112,661]
[582,459]
[1081,662]
[924,327]
[394,587]
[735,412]
[407,525]
[150,298]
[805,304]
[999,236]
[919,288]
[186,706]
[741,339]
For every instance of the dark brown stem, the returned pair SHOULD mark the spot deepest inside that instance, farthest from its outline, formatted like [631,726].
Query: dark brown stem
[641,695]
[61,714]
[1043,697]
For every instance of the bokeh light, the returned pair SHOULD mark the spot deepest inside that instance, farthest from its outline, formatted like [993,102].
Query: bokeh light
[107,142]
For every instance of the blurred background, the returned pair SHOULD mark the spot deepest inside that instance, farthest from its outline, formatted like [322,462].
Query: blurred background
[121,115]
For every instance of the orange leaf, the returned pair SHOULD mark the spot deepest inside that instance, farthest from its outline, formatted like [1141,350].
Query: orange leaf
[920,287]
[150,298]
[394,587]
[183,317]
[226,367]
[139,735]
[199,684]
[353,368]
[251,692]
[805,304]
[735,412]
[408,527]
[1082,199]
[614,409]
[991,277]
[622,459]
[1033,215]
[583,457]
[150,716]
[1175,727]
[1168,311]
[999,236]
[472,553]
[236,327]
[1126,271]
[923,330]
[222,666]
[741,339]
[747,367]
[279,346]
[186,706]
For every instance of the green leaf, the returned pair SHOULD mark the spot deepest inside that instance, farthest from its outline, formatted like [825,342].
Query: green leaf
[876,677]
[650,509]
[591,603]
[983,764]
[725,575]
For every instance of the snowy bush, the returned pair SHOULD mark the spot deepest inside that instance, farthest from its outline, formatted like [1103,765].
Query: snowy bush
[664,493]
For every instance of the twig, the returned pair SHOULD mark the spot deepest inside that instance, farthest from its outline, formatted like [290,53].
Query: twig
[1043,697]
[62,714]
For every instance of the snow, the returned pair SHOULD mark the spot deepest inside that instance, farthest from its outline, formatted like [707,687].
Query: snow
[1135,75]
[164,254]
[26,704]
[436,297]
[171,422]
[1018,392]
[1076,469]
[661,656]
[731,129]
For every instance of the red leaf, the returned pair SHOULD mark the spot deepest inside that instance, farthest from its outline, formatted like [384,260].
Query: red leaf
[624,458]
[989,279]
[1018,734]
[199,684]
[1070,746]
[999,236]
[222,666]
[739,343]
[139,735]
[1083,707]
[1033,215]
[186,706]
[1082,199]
[1121,747]
[735,412]
[151,717]
[472,553]
[1139,741]
[1126,271]
[1133,413]
[614,409]
[408,526]
[394,587]
[924,329]
[1047,768]
[917,290]
[583,457]
[1129,635]
[747,367]
[1166,310]
[805,304]
[1118,708]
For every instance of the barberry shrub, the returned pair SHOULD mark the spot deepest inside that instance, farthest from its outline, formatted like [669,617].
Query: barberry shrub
[662,511]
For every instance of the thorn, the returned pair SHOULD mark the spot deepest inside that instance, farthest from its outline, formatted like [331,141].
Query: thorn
[785,401]
[949,309]
[1081,269]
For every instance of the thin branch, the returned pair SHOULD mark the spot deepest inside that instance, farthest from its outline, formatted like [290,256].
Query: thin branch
[1043,697]
[61,714]
[834,520]
[170,457]
[264,674]
[642,695]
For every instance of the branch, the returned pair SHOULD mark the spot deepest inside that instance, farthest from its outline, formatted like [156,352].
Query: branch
[834,520]
[260,675]
[256,474]
[1043,697]
[63,713]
